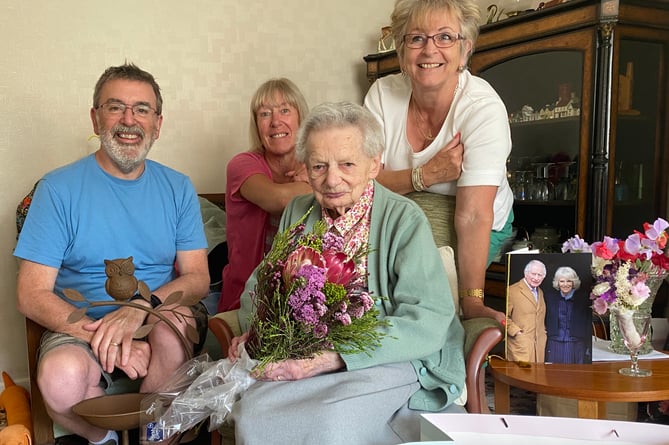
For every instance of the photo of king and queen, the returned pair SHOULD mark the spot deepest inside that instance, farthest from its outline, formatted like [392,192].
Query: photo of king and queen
[549,314]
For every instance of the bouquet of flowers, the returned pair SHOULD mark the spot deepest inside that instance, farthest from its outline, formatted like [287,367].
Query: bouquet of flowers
[622,268]
[310,297]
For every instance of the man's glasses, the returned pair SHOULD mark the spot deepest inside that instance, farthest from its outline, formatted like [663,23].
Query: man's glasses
[118,108]
[441,40]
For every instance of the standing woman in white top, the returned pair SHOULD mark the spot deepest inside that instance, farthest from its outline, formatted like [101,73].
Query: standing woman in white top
[429,113]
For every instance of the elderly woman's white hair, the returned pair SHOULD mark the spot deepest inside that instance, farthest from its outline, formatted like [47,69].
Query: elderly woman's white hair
[566,273]
[338,115]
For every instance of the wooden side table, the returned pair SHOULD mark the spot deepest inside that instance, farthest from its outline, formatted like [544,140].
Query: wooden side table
[591,385]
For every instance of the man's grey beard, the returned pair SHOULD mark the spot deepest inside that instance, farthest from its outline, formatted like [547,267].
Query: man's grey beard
[119,153]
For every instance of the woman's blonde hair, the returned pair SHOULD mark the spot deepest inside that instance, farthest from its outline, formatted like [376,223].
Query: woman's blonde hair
[264,96]
[406,12]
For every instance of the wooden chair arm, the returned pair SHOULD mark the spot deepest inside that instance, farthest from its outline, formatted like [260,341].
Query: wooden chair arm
[225,327]
[481,336]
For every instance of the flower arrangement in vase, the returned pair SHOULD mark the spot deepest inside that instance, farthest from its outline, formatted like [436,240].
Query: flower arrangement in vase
[627,274]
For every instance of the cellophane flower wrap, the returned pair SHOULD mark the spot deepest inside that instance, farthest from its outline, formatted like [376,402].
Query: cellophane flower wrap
[621,268]
[310,297]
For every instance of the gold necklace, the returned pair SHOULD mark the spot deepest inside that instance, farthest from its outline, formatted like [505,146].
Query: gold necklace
[420,121]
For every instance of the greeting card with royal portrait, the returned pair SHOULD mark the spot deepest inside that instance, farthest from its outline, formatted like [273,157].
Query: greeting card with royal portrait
[548,308]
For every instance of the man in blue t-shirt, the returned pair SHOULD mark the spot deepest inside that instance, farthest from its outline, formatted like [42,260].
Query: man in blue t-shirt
[112,204]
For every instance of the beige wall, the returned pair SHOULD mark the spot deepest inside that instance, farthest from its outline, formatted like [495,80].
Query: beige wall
[207,55]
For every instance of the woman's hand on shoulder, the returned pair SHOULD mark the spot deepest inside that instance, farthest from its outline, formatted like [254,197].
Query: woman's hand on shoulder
[299,175]
[446,164]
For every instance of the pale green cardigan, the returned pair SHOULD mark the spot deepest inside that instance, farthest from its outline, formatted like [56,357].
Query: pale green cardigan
[404,267]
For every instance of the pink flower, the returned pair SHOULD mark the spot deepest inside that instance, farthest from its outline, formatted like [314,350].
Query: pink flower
[600,306]
[297,258]
[339,269]
[606,249]
[639,292]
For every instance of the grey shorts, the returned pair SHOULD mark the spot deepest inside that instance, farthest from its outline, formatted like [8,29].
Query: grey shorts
[51,340]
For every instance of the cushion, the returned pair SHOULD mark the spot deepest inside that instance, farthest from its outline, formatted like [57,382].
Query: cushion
[448,259]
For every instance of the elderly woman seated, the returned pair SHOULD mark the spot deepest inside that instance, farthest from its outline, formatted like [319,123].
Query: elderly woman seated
[374,397]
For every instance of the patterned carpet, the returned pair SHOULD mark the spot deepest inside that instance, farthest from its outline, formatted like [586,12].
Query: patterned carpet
[522,402]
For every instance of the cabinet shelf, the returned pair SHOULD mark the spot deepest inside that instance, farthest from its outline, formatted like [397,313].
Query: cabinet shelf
[551,203]
[553,121]
[601,63]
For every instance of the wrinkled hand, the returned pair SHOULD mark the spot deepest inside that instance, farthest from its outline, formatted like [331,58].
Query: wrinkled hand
[233,354]
[114,333]
[299,175]
[327,361]
[446,164]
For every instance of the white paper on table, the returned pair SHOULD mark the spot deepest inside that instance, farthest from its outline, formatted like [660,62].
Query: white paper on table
[601,353]
[470,429]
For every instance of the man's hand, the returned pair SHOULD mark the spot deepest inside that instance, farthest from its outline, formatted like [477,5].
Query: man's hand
[446,164]
[138,364]
[114,333]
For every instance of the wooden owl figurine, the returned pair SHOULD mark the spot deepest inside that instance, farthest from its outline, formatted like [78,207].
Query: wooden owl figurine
[121,283]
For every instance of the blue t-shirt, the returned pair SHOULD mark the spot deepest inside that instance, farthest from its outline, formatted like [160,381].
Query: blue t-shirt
[80,216]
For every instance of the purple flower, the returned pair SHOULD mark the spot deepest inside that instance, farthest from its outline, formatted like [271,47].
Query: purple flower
[575,245]
[344,318]
[633,244]
[308,300]
[321,330]
[332,241]
[367,301]
[657,229]
[357,311]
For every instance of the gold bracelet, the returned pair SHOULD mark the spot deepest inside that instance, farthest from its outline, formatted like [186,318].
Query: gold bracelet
[478,293]
[417,179]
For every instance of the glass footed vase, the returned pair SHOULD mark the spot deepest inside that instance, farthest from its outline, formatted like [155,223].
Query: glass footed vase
[634,328]
[617,344]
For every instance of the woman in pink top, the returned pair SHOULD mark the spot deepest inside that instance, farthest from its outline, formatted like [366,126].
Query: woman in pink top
[261,182]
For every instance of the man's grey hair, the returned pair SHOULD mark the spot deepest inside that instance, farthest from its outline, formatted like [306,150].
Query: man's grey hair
[535,263]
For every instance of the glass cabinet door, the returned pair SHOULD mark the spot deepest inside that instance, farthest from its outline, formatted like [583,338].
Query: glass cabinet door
[544,89]
[638,191]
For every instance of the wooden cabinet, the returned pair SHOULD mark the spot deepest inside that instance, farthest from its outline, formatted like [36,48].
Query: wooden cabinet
[603,158]
[586,87]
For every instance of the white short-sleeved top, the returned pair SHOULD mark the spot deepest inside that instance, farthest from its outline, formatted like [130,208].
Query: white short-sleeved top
[480,116]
